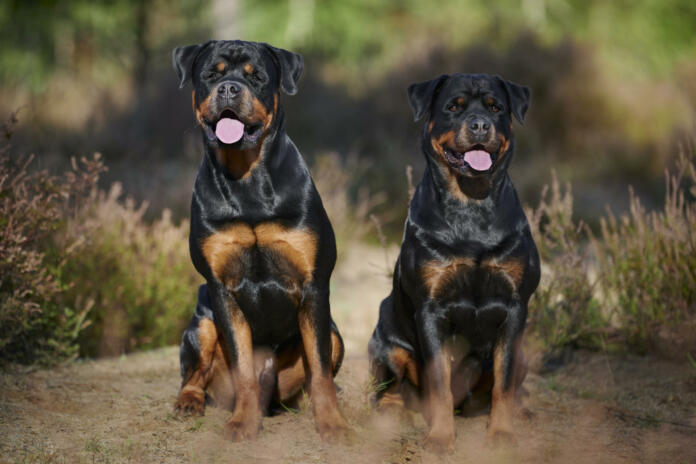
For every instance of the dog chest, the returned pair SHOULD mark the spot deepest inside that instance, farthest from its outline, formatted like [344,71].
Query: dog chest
[266,250]
[467,277]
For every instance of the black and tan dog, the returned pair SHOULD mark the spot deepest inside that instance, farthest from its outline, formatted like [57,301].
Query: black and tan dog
[454,319]
[261,238]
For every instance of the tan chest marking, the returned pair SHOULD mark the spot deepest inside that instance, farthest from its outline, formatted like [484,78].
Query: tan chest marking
[438,274]
[298,246]
[511,269]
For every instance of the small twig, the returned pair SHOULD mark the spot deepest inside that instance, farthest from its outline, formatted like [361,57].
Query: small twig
[382,241]
[409,178]
[606,360]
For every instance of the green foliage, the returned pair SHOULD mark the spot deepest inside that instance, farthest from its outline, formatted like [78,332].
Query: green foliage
[648,259]
[36,324]
[647,36]
[641,38]
[137,276]
[564,309]
[81,268]
[103,41]
[633,284]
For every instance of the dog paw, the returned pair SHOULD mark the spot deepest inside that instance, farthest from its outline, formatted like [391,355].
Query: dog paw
[501,438]
[239,430]
[439,443]
[334,429]
[190,402]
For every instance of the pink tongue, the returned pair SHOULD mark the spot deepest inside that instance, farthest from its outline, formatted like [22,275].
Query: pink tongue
[478,159]
[229,130]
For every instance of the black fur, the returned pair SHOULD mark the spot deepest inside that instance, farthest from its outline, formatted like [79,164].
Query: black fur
[460,215]
[276,189]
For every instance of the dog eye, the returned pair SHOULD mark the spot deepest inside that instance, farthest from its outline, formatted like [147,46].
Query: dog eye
[213,74]
[495,108]
[257,77]
[452,108]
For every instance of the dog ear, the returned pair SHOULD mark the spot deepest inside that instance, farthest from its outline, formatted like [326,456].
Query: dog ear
[290,65]
[518,96]
[421,95]
[183,59]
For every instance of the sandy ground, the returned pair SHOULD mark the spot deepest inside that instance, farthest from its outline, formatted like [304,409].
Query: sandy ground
[594,408]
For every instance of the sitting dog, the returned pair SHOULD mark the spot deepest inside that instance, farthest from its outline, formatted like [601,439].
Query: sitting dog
[261,238]
[467,266]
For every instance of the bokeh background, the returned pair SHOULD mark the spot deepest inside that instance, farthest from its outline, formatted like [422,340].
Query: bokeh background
[613,104]
[614,85]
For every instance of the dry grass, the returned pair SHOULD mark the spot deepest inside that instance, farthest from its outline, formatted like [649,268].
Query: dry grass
[563,310]
[135,275]
[633,285]
[615,410]
[648,263]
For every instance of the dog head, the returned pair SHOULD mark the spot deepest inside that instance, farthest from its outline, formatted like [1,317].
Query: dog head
[469,128]
[235,88]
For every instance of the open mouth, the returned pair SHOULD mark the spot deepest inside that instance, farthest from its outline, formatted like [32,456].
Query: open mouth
[229,129]
[476,158]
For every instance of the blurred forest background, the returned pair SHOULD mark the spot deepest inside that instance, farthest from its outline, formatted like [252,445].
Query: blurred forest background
[613,104]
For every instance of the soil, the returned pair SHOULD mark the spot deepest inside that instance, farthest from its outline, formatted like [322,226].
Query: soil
[592,408]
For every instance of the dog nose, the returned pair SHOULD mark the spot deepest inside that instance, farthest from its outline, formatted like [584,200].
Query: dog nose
[479,126]
[229,89]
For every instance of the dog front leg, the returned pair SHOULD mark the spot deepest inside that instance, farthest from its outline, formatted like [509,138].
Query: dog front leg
[315,327]
[439,406]
[246,416]
[508,372]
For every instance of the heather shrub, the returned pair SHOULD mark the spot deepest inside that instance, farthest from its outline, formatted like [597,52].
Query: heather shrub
[81,271]
[632,285]
[137,276]
[36,323]
[648,266]
[563,310]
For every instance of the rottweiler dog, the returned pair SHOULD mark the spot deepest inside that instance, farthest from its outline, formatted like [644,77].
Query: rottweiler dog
[468,265]
[260,237]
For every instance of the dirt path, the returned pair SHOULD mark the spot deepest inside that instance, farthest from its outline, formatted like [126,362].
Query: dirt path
[592,409]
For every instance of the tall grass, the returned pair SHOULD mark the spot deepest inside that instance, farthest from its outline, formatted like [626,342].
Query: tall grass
[648,262]
[334,178]
[564,309]
[136,275]
[81,271]
[633,283]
